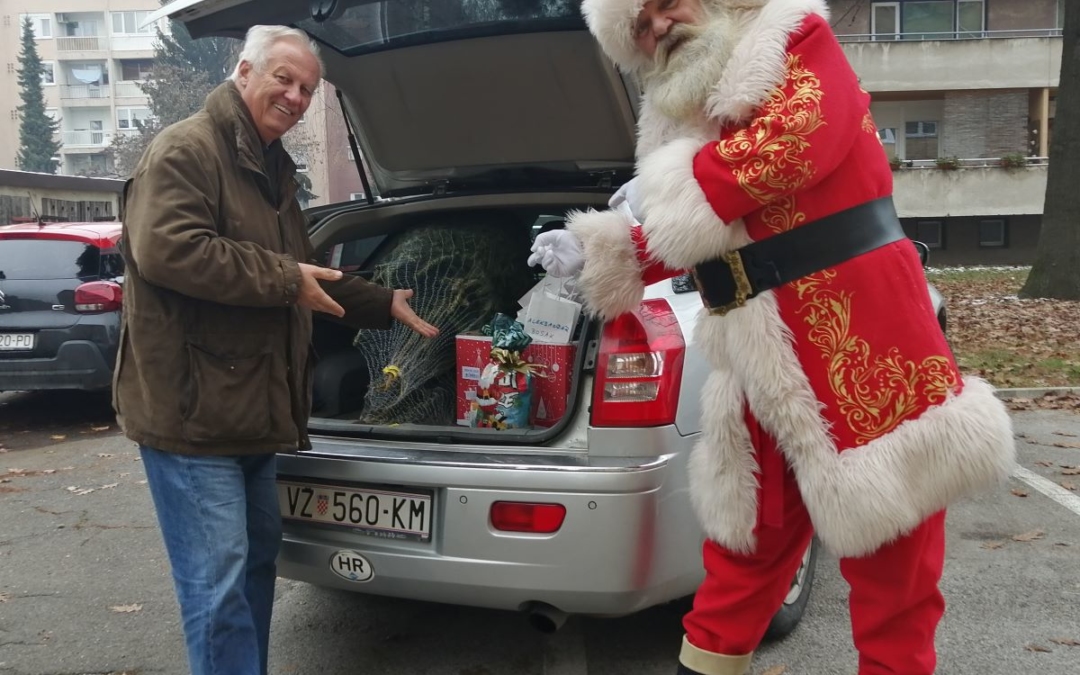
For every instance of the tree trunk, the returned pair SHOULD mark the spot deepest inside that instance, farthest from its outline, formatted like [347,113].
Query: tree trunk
[1056,272]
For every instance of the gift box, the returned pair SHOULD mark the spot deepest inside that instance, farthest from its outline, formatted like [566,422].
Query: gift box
[551,383]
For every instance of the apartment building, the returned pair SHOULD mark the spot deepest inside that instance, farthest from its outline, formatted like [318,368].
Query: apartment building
[959,89]
[95,52]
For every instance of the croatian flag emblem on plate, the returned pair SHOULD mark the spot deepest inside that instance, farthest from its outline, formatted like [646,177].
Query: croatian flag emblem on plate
[321,504]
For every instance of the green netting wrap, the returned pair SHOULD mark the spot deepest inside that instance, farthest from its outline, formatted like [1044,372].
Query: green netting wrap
[465,269]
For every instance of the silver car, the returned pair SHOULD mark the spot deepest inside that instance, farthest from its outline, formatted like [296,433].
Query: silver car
[460,106]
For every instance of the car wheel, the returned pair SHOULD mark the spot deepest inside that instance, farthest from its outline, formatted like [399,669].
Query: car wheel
[791,612]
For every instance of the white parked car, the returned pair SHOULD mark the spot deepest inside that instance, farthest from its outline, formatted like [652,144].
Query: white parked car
[506,106]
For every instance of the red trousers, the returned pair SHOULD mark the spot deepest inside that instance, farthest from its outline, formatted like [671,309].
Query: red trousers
[894,602]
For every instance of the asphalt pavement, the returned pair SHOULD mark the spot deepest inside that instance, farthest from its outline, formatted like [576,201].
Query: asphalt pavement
[85,586]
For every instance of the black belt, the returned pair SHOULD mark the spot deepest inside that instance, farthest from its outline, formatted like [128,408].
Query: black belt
[726,283]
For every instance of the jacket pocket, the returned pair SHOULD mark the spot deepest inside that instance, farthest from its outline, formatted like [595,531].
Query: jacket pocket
[229,399]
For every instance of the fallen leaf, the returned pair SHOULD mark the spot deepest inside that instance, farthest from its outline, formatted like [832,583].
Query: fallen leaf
[1068,485]
[1064,433]
[17,472]
[1074,446]
[109,486]
[72,488]
[776,670]
[105,455]
[1066,642]
[58,437]
[992,545]
[1043,462]
[1017,492]
[1062,543]
[49,472]
[1071,471]
[1037,648]
[126,609]
[1030,536]
[104,428]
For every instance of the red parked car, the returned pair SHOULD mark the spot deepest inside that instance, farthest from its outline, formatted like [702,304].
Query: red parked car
[60,301]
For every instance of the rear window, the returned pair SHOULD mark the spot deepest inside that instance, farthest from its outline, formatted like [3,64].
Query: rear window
[48,259]
[365,26]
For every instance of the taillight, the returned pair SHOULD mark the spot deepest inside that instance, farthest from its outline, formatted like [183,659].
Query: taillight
[99,296]
[639,368]
[525,517]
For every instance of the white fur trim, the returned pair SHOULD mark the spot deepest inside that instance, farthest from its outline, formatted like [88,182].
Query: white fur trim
[612,24]
[757,65]
[864,497]
[680,225]
[610,282]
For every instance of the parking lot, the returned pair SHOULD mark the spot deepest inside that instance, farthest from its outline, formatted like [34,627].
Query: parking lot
[85,587]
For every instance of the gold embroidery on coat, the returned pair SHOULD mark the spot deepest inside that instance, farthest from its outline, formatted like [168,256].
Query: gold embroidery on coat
[874,392]
[767,155]
[868,124]
[781,215]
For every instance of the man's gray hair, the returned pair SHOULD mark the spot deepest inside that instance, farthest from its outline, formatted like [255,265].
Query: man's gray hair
[260,39]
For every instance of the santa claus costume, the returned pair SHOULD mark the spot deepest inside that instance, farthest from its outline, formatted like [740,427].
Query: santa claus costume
[835,406]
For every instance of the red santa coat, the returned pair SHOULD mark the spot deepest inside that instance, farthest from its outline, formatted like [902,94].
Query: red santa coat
[846,369]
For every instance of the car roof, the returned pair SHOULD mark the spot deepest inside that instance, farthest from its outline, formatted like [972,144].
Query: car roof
[103,234]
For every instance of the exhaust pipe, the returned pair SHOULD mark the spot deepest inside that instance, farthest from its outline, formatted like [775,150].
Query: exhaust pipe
[544,617]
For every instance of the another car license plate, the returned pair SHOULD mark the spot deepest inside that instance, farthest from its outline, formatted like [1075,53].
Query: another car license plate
[404,515]
[12,342]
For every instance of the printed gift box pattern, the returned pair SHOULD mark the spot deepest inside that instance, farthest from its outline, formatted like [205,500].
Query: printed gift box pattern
[552,384]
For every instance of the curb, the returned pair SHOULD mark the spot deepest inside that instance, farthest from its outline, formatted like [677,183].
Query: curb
[1035,392]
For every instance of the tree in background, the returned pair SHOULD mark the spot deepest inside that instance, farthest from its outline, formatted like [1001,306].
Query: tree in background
[37,131]
[1056,272]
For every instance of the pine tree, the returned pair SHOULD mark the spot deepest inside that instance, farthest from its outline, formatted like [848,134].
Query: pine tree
[37,131]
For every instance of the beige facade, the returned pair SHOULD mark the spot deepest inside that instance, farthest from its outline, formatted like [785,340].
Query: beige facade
[974,80]
[95,53]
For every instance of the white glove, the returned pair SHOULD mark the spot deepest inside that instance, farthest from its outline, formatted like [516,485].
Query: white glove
[627,200]
[559,252]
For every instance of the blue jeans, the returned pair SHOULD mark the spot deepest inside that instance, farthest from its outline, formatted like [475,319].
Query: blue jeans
[222,528]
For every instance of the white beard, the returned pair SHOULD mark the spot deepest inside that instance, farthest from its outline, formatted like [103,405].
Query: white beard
[679,85]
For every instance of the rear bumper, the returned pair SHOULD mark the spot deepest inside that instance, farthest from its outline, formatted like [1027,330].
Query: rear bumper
[629,540]
[78,364]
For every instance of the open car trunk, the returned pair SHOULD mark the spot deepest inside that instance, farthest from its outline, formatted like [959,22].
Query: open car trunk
[466,258]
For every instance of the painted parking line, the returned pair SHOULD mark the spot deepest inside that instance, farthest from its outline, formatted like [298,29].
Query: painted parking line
[1049,488]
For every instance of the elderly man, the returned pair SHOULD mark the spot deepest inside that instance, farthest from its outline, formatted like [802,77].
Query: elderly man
[834,405]
[213,375]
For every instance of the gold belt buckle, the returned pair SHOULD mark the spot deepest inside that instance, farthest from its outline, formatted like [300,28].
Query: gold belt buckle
[743,289]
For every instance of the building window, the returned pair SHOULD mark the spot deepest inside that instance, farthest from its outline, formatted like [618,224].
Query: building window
[130,23]
[927,19]
[921,140]
[931,233]
[48,72]
[129,118]
[134,70]
[42,24]
[993,233]
[970,18]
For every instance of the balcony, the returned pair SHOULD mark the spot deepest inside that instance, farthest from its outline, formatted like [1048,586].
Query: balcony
[956,61]
[85,140]
[84,92]
[128,90]
[82,43]
[977,188]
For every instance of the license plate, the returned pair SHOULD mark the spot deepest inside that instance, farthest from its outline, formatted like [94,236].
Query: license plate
[12,342]
[384,513]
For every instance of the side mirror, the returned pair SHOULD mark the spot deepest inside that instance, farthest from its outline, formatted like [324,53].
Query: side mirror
[924,252]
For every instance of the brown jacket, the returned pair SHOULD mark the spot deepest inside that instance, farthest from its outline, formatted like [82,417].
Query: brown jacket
[214,351]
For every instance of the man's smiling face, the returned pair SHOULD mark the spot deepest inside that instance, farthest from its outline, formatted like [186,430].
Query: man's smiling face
[279,93]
